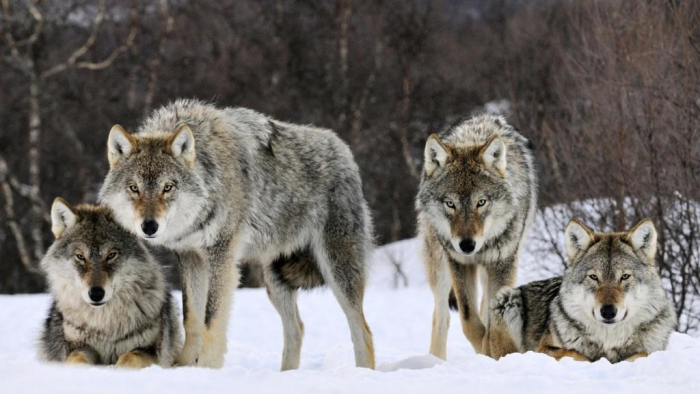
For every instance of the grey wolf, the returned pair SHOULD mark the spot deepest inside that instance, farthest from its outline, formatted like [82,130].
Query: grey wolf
[476,200]
[111,304]
[609,304]
[222,186]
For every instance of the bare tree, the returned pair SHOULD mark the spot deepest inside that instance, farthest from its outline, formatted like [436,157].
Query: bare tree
[23,56]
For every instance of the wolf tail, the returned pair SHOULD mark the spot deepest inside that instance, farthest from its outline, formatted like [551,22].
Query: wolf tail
[507,312]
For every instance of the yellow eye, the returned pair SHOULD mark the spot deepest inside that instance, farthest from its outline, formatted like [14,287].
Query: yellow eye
[168,188]
[480,203]
[594,277]
[134,188]
[111,255]
[450,204]
[625,277]
[80,257]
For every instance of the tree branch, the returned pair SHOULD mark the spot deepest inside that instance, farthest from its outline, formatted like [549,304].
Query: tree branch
[12,219]
[73,62]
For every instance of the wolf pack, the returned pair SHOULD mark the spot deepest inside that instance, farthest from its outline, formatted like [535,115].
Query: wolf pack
[223,186]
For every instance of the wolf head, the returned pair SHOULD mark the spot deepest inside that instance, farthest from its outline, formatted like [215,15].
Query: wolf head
[152,185]
[93,256]
[612,277]
[465,192]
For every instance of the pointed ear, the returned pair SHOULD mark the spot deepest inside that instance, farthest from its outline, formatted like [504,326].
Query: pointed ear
[436,155]
[120,145]
[181,144]
[578,238]
[642,237]
[63,216]
[493,154]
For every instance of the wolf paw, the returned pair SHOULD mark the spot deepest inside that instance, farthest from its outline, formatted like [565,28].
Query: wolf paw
[77,358]
[134,360]
[637,356]
[188,357]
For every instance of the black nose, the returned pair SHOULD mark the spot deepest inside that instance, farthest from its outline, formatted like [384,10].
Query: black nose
[149,227]
[608,312]
[467,245]
[96,294]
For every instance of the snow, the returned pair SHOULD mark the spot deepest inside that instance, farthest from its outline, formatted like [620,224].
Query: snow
[398,310]
[401,322]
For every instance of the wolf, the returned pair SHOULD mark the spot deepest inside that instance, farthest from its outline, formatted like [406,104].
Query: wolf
[111,304]
[222,186]
[609,304]
[476,201]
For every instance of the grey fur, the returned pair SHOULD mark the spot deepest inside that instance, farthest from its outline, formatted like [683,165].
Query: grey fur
[258,190]
[139,316]
[464,166]
[558,315]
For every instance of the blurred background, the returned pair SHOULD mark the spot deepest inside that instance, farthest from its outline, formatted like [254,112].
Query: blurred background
[608,91]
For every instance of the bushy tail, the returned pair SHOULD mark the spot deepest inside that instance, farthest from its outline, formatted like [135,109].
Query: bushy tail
[507,313]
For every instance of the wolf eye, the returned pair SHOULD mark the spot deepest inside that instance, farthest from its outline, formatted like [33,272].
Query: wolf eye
[134,188]
[625,277]
[167,188]
[80,257]
[594,277]
[111,255]
[449,204]
[481,203]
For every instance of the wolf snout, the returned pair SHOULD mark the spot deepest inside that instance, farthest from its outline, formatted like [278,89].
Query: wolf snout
[96,294]
[149,227]
[467,246]
[608,312]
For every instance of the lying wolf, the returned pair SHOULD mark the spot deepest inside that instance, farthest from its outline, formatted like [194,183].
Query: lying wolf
[225,185]
[610,302]
[111,304]
[476,200]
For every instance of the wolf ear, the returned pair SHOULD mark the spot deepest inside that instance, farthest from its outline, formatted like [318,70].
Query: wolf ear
[578,238]
[181,144]
[643,239]
[119,145]
[63,216]
[436,155]
[493,154]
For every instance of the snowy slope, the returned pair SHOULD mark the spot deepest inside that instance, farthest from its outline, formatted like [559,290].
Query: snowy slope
[401,322]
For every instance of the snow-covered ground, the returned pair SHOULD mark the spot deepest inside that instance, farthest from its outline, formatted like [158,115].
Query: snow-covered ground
[400,318]
[401,322]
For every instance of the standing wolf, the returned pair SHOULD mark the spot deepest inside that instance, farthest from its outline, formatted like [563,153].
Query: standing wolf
[221,186]
[610,302]
[111,304]
[477,198]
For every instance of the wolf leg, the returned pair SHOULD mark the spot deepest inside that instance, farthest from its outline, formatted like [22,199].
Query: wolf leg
[84,356]
[284,299]
[464,280]
[498,275]
[194,275]
[136,359]
[223,280]
[341,260]
[548,347]
[440,283]
[501,343]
